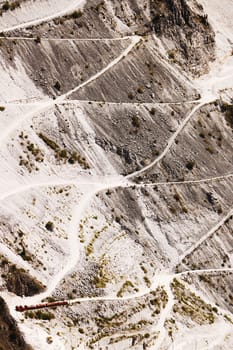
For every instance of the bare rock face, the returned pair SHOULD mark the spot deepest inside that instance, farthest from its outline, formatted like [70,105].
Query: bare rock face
[21,283]
[188,32]
[10,336]
[182,26]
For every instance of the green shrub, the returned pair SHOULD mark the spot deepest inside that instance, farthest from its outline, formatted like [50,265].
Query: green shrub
[171,55]
[229,114]
[152,111]
[49,226]
[6,6]
[130,95]
[48,142]
[76,14]
[24,255]
[57,85]
[37,39]
[40,315]
[190,164]
[140,90]
[98,7]
[14,5]
[136,121]
[63,153]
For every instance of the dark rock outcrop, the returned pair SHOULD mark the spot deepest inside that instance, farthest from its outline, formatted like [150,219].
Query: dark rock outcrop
[19,281]
[186,30]
[10,336]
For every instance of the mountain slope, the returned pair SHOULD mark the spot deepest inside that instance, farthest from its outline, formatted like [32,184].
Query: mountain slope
[116,173]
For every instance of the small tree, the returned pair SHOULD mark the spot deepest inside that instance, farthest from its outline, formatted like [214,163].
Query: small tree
[57,85]
[37,39]
[50,226]
[6,6]
[77,14]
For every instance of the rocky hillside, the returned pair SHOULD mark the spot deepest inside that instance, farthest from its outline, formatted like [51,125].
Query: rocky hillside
[116,124]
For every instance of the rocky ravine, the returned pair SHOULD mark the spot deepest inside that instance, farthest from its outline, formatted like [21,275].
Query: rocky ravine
[116,174]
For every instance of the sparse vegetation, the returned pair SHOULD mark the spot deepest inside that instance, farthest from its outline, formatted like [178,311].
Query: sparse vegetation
[130,109]
[90,247]
[147,281]
[227,109]
[49,142]
[99,5]
[76,14]
[37,39]
[171,55]
[31,154]
[190,305]
[10,5]
[136,121]
[126,287]
[140,90]
[190,165]
[25,255]
[49,340]
[6,6]
[130,95]
[210,149]
[64,155]
[152,111]
[49,226]
[57,86]
[40,315]
[103,277]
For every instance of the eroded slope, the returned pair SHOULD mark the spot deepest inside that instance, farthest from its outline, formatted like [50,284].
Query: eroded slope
[116,175]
